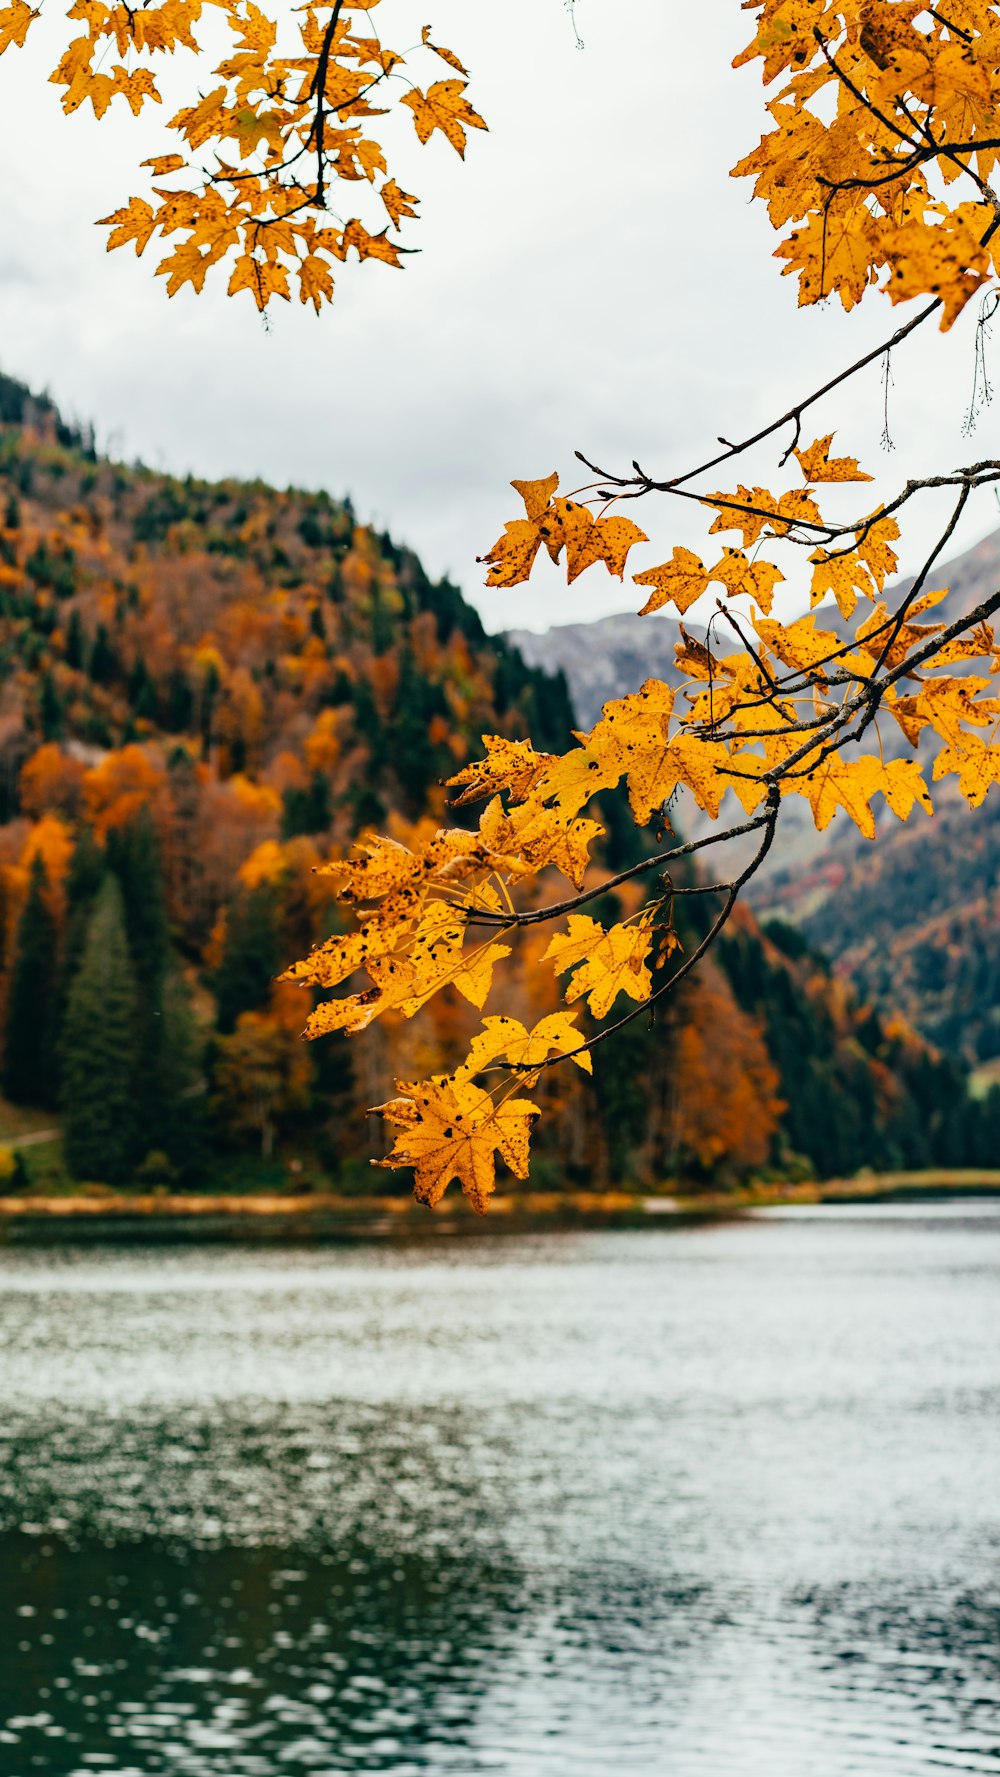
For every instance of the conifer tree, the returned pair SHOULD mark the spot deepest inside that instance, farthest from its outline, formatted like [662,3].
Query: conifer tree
[178,1128]
[86,873]
[134,855]
[29,1059]
[251,958]
[98,1049]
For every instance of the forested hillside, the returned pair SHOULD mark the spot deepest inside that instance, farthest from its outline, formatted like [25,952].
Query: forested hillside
[209,689]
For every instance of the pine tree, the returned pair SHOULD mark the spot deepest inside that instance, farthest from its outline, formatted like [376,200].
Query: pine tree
[86,873]
[251,957]
[29,1060]
[98,1049]
[180,1110]
[134,855]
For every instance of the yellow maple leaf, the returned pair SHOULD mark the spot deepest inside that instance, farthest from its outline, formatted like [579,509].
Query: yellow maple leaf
[443,107]
[849,784]
[14,22]
[943,257]
[616,537]
[315,281]
[799,645]
[836,250]
[534,837]
[679,581]
[511,765]
[508,1039]
[633,735]
[843,575]
[451,1129]
[512,557]
[447,55]
[757,579]
[904,788]
[135,223]
[976,764]
[399,203]
[537,494]
[610,962]
[817,464]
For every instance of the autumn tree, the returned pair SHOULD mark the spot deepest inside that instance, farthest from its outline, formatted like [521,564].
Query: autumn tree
[876,169]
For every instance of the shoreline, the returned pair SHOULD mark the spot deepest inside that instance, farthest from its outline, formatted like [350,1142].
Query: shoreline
[98,1213]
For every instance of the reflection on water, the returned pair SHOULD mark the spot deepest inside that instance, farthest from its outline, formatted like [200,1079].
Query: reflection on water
[720,1500]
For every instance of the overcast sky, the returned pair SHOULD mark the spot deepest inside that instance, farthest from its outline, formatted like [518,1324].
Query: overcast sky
[589,278]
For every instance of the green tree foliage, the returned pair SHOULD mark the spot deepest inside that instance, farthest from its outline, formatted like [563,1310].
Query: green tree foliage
[98,1049]
[29,1056]
[251,957]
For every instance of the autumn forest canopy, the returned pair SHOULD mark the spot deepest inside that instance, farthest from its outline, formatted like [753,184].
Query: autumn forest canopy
[213,691]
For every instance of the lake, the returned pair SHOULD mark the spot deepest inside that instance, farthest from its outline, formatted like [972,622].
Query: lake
[709,1501]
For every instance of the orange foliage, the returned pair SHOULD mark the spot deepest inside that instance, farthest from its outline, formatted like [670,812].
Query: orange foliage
[123,783]
[52,782]
[725,1103]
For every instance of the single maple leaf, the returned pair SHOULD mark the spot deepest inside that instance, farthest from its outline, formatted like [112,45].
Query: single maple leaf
[817,464]
[447,55]
[511,765]
[135,223]
[904,788]
[451,1129]
[14,22]
[843,575]
[315,281]
[976,765]
[507,1039]
[849,784]
[443,107]
[757,579]
[610,962]
[512,557]
[616,537]
[399,203]
[678,581]
[537,494]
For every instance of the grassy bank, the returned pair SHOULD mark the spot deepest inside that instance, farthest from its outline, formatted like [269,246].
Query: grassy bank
[96,1212]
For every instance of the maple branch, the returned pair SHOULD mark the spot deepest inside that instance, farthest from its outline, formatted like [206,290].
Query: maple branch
[768,821]
[317,88]
[554,909]
[792,417]
[855,91]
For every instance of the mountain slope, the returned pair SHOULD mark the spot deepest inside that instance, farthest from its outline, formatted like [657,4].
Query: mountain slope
[208,689]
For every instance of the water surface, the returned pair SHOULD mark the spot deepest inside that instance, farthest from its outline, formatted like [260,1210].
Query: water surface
[716,1500]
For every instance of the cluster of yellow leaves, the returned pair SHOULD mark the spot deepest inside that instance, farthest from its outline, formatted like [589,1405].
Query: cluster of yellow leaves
[565,527]
[293,113]
[883,106]
[440,914]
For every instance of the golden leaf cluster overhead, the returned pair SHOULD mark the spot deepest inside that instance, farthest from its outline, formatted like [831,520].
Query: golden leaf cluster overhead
[260,172]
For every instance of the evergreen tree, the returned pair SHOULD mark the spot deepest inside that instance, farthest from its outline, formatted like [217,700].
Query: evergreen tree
[251,957]
[179,1130]
[29,1060]
[86,873]
[51,710]
[104,663]
[98,1049]
[75,643]
[134,855]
